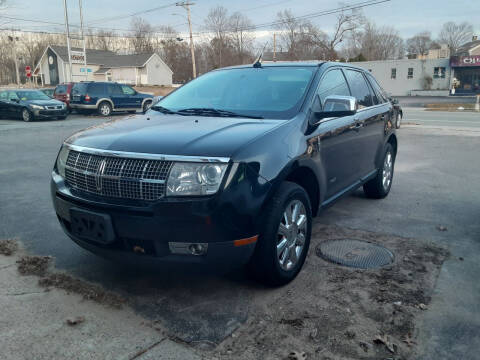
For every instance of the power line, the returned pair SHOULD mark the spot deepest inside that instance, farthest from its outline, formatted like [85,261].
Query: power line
[119,17]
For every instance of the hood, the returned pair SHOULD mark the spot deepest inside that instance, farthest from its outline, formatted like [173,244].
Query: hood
[174,134]
[50,102]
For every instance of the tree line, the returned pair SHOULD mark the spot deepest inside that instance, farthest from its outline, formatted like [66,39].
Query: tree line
[230,39]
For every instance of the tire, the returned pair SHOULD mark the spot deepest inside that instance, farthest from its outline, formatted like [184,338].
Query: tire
[398,120]
[62,117]
[266,264]
[27,115]
[146,106]
[104,108]
[380,185]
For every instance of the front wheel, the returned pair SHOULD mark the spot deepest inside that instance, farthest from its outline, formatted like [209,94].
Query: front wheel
[380,185]
[398,120]
[27,115]
[284,238]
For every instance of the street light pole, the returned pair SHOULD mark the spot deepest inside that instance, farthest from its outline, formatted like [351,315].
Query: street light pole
[83,38]
[186,5]
[67,33]
[14,39]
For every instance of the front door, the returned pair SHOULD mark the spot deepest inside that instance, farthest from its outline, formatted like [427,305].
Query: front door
[131,99]
[119,99]
[335,137]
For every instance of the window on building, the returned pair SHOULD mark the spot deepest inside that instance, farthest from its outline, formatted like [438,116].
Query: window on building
[410,73]
[439,72]
[369,70]
[359,88]
[393,74]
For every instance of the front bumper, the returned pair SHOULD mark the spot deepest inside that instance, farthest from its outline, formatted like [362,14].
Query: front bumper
[153,227]
[49,114]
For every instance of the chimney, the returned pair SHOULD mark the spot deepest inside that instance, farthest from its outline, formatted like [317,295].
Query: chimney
[474,38]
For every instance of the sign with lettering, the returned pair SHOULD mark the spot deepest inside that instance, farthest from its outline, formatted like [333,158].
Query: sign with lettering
[461,61]
[77,57]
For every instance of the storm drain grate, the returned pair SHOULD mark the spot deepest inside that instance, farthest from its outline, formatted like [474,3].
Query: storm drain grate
[355,253]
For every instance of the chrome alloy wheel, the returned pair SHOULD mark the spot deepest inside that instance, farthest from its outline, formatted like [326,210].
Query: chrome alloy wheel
[291,235]
[105,110]
[387,171]
[26,115]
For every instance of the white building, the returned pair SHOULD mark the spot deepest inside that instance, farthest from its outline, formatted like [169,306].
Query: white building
[411,76]
[137,69]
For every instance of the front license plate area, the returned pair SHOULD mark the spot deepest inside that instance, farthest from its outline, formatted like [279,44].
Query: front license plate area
[92,226]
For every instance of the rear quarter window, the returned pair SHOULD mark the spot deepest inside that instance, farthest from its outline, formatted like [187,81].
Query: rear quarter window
[79,89]
[95,89]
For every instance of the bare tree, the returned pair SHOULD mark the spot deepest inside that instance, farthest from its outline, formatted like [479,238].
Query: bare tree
[241,36]
[141,38]
[419,44]
[454,35]
[102,40]
[382,43]
[217,23]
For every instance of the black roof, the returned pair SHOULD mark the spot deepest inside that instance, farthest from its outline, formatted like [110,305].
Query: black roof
[465,48]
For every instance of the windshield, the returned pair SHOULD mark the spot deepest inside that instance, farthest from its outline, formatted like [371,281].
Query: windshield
[267,92]
[32,95]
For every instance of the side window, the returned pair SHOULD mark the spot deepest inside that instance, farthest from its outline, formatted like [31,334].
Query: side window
[3,95]
[127,90]
[12,95]
[381,94]
[61,89]
[359,88]
[96,90]
[333,83]
[114,89]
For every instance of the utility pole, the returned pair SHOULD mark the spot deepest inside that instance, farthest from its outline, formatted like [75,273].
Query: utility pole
[67,33]
[14,39]
[186,5]
[274,47]
[83,38]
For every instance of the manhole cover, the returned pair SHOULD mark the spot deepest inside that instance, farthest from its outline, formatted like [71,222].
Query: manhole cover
[355,253]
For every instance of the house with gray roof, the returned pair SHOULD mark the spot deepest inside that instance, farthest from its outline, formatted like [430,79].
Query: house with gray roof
[102,65]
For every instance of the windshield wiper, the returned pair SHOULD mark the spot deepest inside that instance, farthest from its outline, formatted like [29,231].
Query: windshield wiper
[215,112]
[163,109]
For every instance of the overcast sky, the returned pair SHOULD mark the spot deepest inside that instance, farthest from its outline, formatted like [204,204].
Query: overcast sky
[407,16]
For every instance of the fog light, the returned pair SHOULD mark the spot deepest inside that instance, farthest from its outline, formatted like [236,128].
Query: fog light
[195,249]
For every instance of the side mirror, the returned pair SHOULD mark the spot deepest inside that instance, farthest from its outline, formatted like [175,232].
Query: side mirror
[337,106]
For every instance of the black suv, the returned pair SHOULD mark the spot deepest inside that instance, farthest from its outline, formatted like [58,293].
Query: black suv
[106,97]
[230,168]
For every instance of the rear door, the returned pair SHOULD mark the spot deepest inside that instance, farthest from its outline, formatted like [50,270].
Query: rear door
[119,99]
[5,111]
[14,107]
[367,124]
[335,137]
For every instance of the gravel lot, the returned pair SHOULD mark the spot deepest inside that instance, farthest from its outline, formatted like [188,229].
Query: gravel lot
[433,206]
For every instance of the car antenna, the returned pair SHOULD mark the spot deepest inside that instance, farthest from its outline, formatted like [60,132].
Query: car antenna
[258,60]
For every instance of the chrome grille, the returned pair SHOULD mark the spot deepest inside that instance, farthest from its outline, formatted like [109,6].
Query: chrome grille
[54,107]
[139,179]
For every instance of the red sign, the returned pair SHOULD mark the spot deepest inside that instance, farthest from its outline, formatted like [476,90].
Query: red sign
[461,61]
[29,74]
[28,68]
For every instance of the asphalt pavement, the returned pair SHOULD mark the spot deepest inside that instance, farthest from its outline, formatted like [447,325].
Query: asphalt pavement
[436,183]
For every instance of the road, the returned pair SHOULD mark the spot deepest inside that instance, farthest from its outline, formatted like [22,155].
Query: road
[440,118]
[422,101]
[437,182]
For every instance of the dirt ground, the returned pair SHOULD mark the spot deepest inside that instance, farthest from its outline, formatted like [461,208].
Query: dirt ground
[156,90]
[328,312]
[335,312]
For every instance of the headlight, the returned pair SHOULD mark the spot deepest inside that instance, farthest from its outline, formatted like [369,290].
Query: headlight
[62,160]
[195,179]
[38,107]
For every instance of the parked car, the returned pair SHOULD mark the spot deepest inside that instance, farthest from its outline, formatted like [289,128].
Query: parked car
[63,92]
[30,105]
[106,97]
[230,168]
[397,112]
[48,91]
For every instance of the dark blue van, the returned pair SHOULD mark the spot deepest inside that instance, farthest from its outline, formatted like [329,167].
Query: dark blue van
[106,97]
